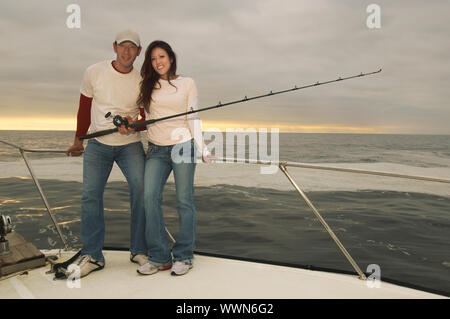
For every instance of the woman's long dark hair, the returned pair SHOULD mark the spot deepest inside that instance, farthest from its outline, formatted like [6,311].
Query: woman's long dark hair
[150,77]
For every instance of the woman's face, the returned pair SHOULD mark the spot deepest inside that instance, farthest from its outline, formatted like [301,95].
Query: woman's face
[161,62]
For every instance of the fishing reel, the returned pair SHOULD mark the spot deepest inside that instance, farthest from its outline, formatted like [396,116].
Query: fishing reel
[118,120]
[5,228]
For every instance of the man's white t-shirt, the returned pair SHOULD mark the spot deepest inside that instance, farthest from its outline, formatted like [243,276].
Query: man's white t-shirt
[115,92]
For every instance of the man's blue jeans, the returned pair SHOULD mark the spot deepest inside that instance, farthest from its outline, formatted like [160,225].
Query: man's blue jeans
[97,164]
[159,163]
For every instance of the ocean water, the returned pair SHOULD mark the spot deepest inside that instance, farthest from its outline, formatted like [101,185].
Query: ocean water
[401,225]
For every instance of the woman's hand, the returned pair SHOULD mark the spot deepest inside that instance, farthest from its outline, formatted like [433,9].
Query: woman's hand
[208,158]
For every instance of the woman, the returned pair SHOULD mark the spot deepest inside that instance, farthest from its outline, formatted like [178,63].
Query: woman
[172,145]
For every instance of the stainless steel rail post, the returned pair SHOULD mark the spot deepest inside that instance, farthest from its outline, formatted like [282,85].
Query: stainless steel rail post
[44,199]
[324,223]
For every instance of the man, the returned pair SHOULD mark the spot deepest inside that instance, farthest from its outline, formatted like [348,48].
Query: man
[110,86]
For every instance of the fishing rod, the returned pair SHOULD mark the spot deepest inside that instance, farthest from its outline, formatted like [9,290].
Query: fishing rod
[119,120]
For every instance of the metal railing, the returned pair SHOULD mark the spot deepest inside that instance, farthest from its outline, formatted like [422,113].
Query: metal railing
[38,186]
[283,167]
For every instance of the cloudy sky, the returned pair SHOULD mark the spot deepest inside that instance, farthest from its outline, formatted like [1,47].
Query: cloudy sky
[236,48]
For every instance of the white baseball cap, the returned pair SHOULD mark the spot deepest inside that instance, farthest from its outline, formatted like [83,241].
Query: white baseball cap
[128,35]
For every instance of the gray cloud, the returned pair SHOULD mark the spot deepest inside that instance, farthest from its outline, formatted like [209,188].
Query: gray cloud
[242,48]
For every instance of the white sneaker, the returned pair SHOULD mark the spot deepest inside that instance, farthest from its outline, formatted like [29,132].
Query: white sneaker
[150,269]
[140,259]
[181,267]
[87,264]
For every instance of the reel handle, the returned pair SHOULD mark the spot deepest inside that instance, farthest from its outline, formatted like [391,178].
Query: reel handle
[118,120]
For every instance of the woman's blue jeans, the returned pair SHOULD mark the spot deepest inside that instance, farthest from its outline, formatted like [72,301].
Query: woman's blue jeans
[97,164]
[161,160]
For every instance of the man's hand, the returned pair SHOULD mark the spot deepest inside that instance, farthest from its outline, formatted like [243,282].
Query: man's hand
[125,130]
[76,149]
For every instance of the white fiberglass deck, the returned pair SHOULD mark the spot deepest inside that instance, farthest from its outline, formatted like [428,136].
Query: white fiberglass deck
[211,278]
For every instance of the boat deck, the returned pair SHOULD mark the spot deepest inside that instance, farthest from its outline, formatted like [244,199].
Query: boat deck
[211,278]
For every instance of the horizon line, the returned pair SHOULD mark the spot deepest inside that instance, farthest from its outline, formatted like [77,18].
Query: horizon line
[283,132]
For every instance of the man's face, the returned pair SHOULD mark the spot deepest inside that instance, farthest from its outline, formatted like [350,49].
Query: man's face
[126,52]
